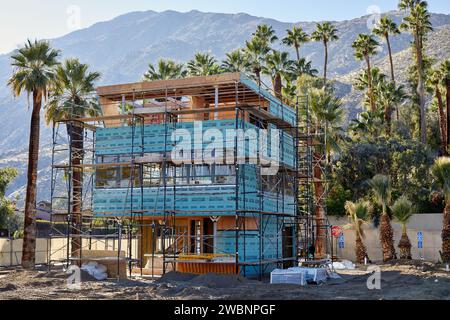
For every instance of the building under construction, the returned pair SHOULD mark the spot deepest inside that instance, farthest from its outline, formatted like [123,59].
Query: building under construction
[205,174]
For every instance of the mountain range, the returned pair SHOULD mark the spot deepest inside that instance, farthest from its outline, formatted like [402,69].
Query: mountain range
[122,48]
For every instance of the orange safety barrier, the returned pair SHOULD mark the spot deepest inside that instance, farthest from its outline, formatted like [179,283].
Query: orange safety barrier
[206,267]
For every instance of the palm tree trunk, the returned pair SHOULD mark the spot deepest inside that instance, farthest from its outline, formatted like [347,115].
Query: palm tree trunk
[388,118]
[76,145]
[421,90]
[369,79]
[447,102]
[258,76]
[319,192]
[442,121]
[325,65]
[445,254]
[297,51]
[391,62]
[390,58]
[360,250]
[405,245]
[29,235]
[386,237]
[277,87]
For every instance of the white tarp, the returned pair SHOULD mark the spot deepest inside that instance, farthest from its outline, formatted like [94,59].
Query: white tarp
[344,265]
[313,275]
[98,271]
[288,276]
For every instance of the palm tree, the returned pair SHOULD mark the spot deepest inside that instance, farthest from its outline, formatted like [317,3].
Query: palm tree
[441,173]
[434,81]
[384,29]
[235,62]
[365,47]
[389,96]
[166,69]
[256,52]
[302,67]
[381,187]
[419,24]
[277,66]
[289,93]
[366,124]
[402,210]
[34,72]
[68,100]
[325,32]
[358,214]
[203,64]
[363,83]
[295,38]
[326,112]
[266,34]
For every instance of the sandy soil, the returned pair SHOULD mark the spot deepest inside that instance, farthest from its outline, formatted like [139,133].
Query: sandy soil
[399,280]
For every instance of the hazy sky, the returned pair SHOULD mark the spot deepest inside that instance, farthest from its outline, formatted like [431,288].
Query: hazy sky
[22,19]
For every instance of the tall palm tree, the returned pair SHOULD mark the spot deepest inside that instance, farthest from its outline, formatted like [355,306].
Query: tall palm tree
[266,34]
[34,70]
[381,188]
[365,46]
[434,81]
[165,70]
[384,29]
[203,64]
[418,22]
[295,38]
[358,214]
[235,62]
[326,112]
[441,173]
[402,210]
[325,32]
[277,66]
[256,52]
[69,100]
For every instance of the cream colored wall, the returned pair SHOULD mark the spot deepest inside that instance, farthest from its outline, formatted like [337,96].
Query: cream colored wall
[11,250]
[429,224]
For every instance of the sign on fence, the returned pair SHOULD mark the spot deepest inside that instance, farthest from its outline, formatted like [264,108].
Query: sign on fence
[341,241]
[420,239]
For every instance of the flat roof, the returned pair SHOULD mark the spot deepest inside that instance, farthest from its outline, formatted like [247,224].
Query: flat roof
[193,86]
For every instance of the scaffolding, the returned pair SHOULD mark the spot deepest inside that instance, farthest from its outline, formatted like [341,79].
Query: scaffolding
[160,172]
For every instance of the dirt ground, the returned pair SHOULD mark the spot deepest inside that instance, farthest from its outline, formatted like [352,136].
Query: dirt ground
[399,280]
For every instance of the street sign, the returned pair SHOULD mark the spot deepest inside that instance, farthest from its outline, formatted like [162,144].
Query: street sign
[341,241]
[419,236]
[420,239]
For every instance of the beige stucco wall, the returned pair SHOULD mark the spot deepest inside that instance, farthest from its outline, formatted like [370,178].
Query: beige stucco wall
[11,250]
[429,224]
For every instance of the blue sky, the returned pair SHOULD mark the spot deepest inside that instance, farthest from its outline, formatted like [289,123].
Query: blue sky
[22,19]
